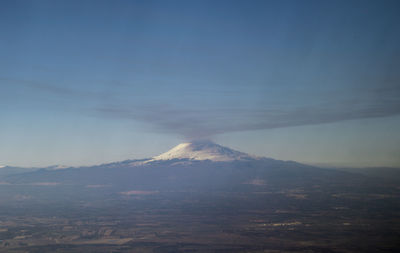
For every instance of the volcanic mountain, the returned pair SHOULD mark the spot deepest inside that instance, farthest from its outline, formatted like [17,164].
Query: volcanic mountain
[200,165]
[196,194]
[202,150]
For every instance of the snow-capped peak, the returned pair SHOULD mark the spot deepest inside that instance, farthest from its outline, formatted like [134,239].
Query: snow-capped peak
[202,150]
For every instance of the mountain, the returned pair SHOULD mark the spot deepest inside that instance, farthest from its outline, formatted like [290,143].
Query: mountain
[202,150]
[196,196]
[10,170]
[200,166]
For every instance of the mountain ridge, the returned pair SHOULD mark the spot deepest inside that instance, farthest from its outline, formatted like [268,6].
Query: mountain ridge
[204,165]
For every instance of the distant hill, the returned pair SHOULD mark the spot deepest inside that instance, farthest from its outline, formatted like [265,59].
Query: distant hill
[10,170]
[388,174]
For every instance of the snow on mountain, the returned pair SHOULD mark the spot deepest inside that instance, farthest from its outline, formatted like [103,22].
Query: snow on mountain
[202,150]
[57,167]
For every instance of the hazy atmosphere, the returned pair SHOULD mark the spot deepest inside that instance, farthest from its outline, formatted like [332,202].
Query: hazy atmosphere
[89,82]
[199,126]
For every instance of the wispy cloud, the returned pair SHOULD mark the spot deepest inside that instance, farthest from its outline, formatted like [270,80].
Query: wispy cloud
[200,123]
[55,89]
[195,121]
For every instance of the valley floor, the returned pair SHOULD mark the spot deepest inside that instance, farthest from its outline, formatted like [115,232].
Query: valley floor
[286,221]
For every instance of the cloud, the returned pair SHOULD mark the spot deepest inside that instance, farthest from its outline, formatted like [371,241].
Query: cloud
[194,123]
[40,85]
[58,90]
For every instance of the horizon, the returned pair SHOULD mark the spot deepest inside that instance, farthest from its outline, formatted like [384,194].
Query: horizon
[320,165]
[199,126]
[84,83]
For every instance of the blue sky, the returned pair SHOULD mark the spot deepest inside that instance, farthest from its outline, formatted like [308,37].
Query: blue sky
[86,82]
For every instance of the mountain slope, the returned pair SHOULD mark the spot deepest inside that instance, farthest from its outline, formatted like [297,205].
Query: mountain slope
[200,166]
[202,150]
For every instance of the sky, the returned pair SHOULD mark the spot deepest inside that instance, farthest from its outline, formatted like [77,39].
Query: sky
[88,82]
